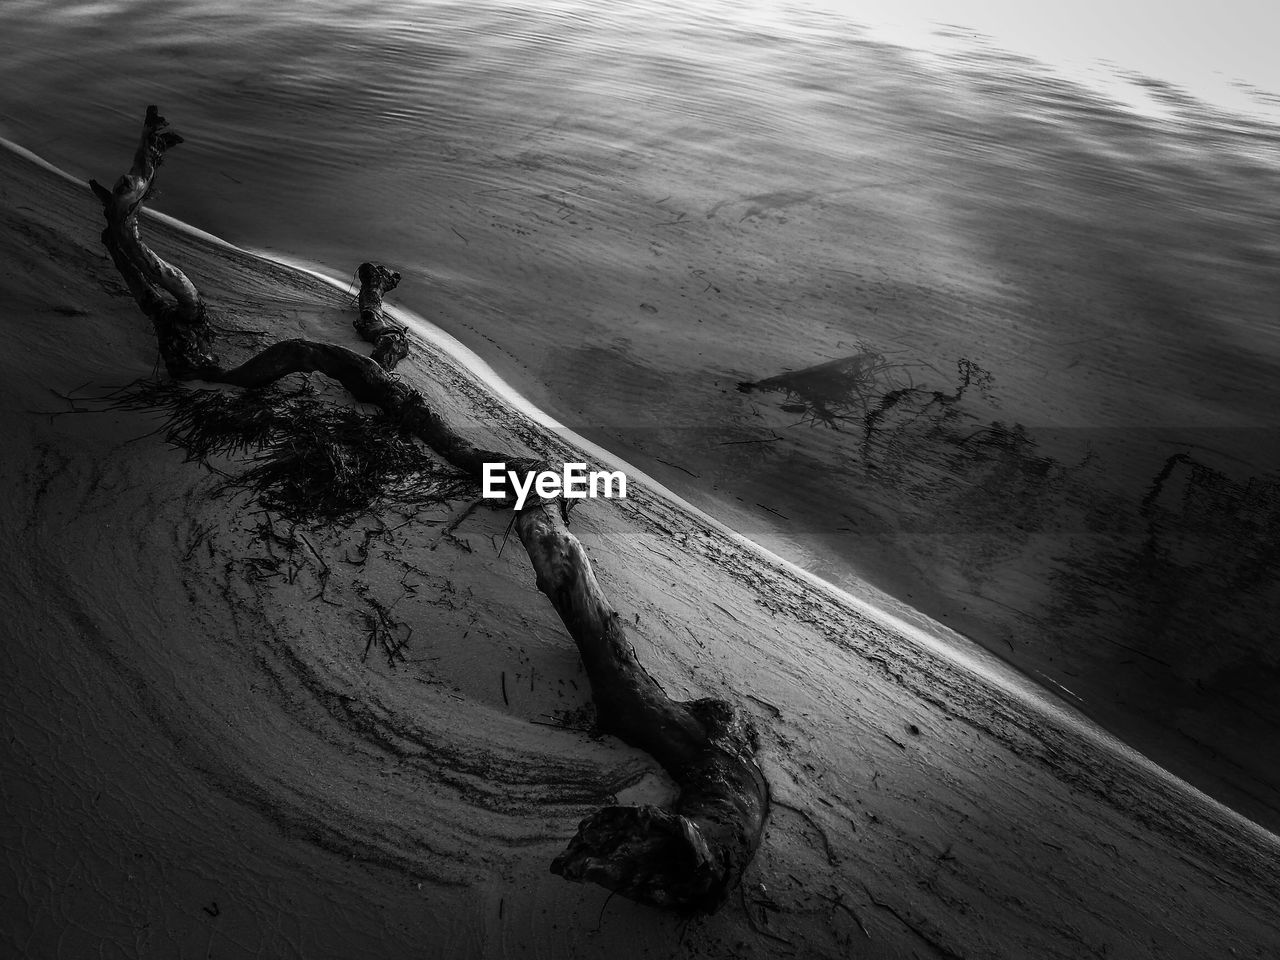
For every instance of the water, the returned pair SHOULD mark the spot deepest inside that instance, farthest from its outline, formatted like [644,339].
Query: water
[631,209]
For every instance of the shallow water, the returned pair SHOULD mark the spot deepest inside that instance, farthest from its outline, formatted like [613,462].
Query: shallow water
[631,210]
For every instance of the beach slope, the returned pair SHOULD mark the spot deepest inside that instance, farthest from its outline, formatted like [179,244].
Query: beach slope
[206,755]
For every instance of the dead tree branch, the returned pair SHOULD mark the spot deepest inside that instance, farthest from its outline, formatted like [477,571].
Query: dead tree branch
[390,344]
[689,857]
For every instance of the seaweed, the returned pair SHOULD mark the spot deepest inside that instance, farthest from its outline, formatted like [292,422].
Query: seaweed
[300,454]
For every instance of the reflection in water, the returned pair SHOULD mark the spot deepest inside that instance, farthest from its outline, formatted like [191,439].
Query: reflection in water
[1147,596]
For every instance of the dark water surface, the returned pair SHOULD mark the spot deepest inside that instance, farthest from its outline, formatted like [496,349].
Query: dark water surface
[947,323]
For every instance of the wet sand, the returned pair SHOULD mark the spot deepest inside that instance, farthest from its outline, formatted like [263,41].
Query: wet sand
[200,759]
[628,214]
[1111,273]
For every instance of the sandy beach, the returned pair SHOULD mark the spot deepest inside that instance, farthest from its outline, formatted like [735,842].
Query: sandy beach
[632,211]
[203,761]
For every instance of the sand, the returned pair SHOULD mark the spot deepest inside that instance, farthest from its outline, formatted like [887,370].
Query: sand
[201,760]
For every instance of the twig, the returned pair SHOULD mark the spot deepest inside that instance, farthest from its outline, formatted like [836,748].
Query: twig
[71,401]
[448,532]
[839,902]
[751,921]
[678,467]
[725,612]
[600,919]
[398,647]
[292,546]
[362,551]
[201,533]
[561,725]
[832,859]
[506,534]
[380,629]
[950,954]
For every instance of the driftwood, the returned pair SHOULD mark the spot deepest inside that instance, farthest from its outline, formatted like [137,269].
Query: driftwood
[390,344]
[689,857]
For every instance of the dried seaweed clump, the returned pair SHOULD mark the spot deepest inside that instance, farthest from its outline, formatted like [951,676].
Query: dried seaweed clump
[300,454]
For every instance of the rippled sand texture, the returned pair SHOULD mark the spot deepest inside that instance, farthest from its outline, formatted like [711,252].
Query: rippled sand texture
[201,759]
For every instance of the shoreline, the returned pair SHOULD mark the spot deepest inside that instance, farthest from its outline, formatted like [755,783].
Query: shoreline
[239,697]
[888,611]
[884,610]
[910,623]
[914,586]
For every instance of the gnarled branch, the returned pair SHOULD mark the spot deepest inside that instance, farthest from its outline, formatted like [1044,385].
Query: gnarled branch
[689,857]
[181,327]
[390,345]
